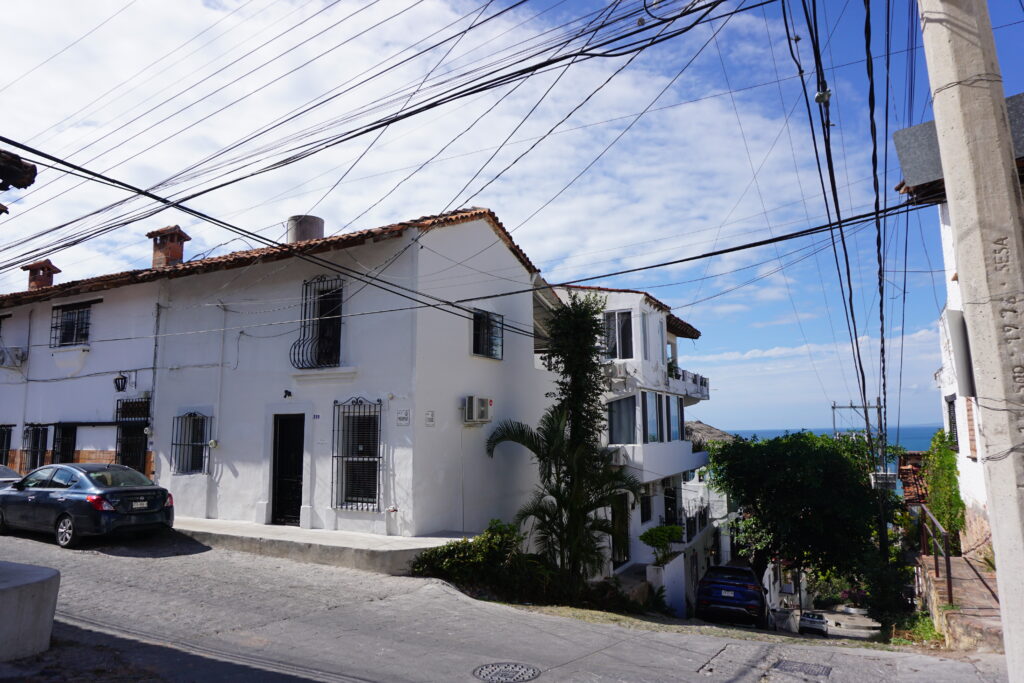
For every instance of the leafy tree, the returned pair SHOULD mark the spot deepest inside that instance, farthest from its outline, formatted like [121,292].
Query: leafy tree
[577,478]
[942,482]
[807,499]
[575,345]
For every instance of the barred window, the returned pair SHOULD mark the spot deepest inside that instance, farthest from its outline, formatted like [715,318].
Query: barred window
[34,444]
[488,334]
[5,443]
[64,438]
[954,437]
[69,325]
[357,454]
[319,342]
[645,508]
[190,443]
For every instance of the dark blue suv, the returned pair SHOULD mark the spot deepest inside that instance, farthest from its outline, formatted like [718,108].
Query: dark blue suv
[732,594]
[85,499]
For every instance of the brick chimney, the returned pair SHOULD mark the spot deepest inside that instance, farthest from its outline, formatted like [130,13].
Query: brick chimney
[40,274]
[168,246]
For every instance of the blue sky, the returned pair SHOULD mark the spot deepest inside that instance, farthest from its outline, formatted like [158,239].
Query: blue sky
[722,157]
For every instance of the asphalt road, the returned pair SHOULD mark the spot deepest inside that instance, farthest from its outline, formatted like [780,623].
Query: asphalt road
[170,609]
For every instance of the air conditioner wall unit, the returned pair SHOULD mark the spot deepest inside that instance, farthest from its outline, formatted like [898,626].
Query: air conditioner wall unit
[11,356]
[477,409]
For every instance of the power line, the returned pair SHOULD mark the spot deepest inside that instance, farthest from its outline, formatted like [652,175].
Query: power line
[68,46]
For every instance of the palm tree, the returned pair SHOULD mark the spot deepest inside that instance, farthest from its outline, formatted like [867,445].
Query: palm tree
[577,483]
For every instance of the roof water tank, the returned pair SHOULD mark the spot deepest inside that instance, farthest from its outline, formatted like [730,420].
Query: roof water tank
[302,228]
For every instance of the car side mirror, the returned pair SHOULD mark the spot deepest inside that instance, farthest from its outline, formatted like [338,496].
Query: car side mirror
[20,485]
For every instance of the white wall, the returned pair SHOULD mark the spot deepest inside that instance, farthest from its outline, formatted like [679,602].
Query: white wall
[456,486]
[415,360]
[75,383]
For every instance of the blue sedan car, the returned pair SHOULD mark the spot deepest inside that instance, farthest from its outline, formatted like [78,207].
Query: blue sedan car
[85,499]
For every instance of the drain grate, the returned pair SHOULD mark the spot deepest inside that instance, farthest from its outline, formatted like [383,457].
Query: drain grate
[506,672]
[789,666]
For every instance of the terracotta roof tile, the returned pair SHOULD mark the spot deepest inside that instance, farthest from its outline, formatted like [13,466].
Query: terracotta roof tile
[264,254]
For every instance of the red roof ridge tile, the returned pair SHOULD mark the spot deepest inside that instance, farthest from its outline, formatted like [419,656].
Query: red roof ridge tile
[272,252]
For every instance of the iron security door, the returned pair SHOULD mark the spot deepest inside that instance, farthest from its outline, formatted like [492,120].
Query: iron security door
[286,499]
[132,442]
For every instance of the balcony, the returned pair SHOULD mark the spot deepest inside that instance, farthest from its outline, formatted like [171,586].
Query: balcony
[653,461]
[689,384]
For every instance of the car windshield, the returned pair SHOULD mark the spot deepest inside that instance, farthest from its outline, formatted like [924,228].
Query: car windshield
[119,478]
[729,574]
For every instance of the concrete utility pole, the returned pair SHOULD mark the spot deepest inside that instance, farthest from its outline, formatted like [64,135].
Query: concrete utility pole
[987,214]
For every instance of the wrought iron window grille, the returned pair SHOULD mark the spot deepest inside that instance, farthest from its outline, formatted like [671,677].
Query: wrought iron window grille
[34,444]
[69,325]
[488,334]
[190,443]
[355,476]
[64,438]
[132,418]
[319,342]
[6,431]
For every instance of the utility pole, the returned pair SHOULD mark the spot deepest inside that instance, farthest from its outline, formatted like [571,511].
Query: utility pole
[987,214]
[879,478]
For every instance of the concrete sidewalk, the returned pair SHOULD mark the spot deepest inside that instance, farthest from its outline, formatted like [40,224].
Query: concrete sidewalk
[369,552]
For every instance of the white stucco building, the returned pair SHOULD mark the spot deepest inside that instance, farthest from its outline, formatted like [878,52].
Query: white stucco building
[288,385]
[262,387]
[647,400]
[960,410]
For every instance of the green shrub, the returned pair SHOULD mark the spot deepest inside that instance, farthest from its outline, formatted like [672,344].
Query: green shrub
[941,480]
[494,563]
[659,538]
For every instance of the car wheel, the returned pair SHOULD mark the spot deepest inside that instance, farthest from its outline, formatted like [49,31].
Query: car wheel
[67,535]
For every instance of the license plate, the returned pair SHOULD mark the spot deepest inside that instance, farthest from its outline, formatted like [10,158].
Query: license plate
[139,505]
[728,594]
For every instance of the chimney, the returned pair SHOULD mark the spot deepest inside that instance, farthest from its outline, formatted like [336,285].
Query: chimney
[168,246]
[302,228]
[40,274]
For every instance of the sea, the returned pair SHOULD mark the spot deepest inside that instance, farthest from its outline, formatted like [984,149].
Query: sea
[911,437]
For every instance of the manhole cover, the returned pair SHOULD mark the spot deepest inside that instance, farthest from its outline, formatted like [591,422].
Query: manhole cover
[792,667]
[506,672]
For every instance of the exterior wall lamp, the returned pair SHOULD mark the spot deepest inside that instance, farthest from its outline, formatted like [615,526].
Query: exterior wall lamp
[120,382]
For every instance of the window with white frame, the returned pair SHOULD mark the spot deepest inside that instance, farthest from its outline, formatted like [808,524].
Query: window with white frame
[357,457]
[661,338]
[618,334]
[654,425]
[488,334]
[622,420]
[190,443]
[674,426]
[644,322]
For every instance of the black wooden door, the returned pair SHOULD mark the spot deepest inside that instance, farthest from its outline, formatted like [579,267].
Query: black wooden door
[287,469]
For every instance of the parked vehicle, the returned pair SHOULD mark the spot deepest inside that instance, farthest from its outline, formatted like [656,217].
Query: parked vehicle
[7,476]
[78,500]
[732,594]
[813,622]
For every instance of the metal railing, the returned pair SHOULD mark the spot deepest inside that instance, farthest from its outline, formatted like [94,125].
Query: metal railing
[928,521]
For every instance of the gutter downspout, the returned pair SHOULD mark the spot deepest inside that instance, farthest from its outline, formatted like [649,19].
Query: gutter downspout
[152,380]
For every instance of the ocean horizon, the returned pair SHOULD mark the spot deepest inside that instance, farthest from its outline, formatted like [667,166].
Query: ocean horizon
[910,437]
